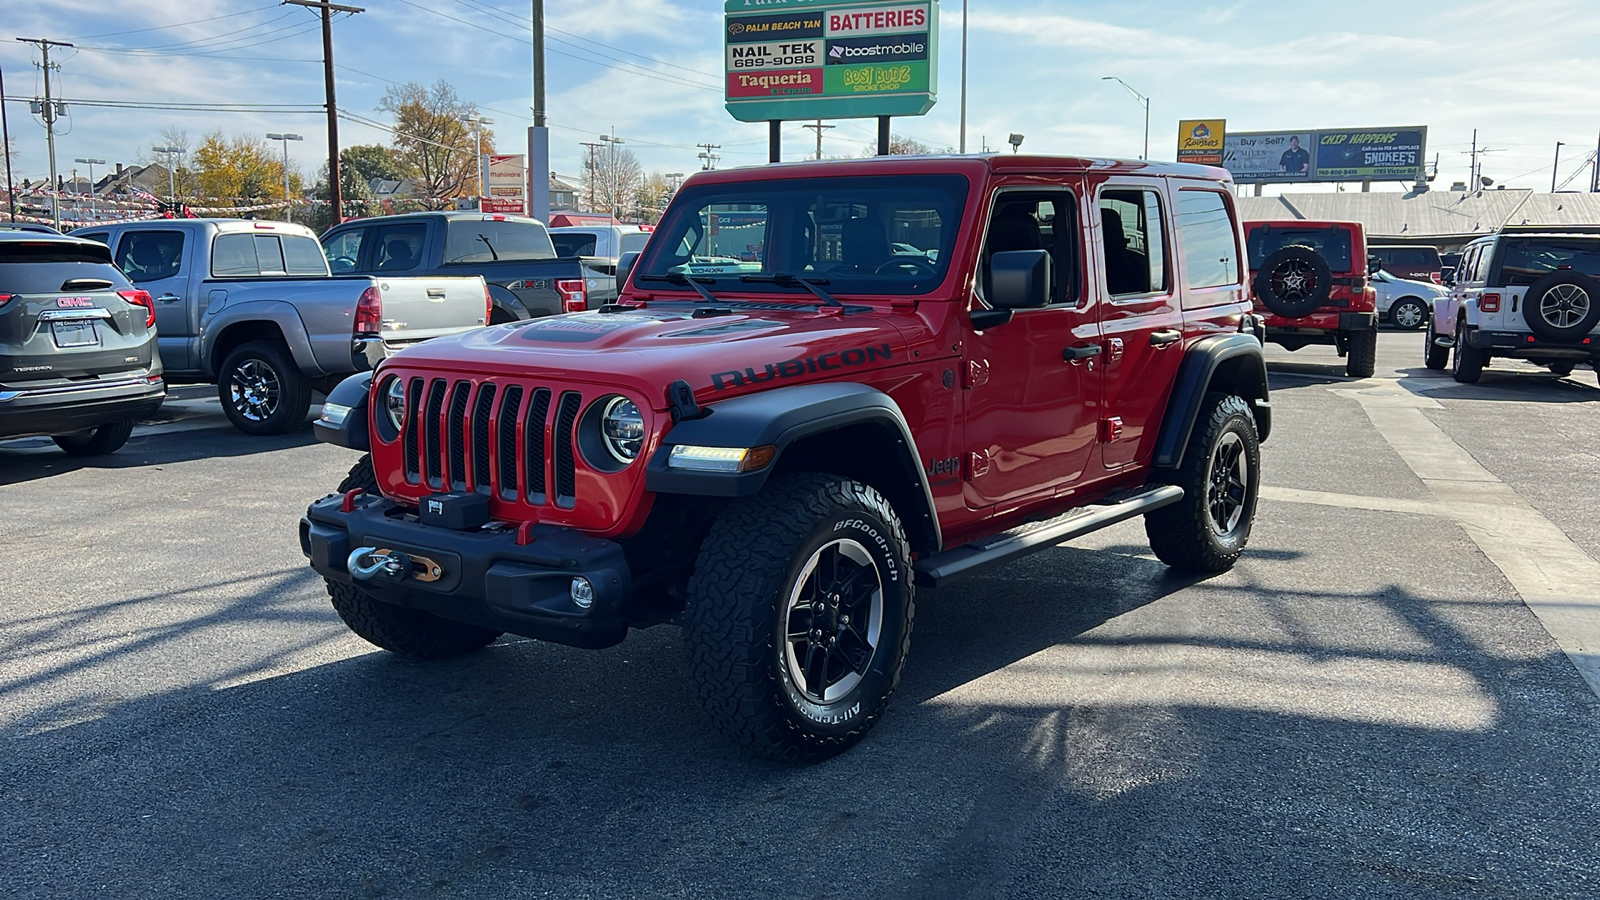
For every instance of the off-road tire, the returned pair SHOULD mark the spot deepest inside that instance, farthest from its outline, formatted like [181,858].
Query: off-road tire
[1409,313]
[1361,359]
[1434,356]
[283,404]
[406,632]
[738,624]
[1466,361]
[1562,306]
[1186,535]
[1562,368]
[107,438]
[1294,281]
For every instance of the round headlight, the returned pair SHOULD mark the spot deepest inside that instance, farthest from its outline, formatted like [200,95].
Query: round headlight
[394,403]
[622,428]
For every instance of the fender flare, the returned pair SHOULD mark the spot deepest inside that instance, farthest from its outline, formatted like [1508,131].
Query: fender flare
[1200,365]
[504,299]
[279,312]
[780,418]
[353,429]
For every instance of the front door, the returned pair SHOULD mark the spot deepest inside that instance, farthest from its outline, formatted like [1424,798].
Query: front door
[153,261]
[1033,383]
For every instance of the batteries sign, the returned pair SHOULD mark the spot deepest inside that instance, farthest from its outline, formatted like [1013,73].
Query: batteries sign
[830,59]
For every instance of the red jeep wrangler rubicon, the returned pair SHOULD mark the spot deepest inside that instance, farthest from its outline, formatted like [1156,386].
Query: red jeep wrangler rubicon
[824,385]
[1310,282]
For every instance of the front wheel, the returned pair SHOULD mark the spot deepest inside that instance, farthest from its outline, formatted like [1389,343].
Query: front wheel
[799,616]
[100,441]
[1408,313]
[1220,476]
[1362,354]
[262,390]
[1466,363]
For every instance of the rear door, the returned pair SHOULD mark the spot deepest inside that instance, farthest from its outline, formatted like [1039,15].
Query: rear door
[67,313]
[158,261]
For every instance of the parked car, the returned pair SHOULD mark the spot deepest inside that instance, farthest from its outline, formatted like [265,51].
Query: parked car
[1418,263]
[251,306]
[775,457]
[78,358]
[1310,282]
[1529,294]
[1403,302]
[513,254]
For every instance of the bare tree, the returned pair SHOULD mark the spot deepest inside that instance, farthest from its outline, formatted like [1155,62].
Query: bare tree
[613,176]
[433,144]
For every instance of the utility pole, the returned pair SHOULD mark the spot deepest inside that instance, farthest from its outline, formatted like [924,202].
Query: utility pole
[1554,167]
[1594,179]
[612,179]
[707,157]
[538,134]
[594,168]
[819,128]
[1472,183]
[335,188]
[5,137]
[49,112]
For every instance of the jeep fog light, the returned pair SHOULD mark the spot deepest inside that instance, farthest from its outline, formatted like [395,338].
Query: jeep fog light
[720,459]
[582,592]
[334,414]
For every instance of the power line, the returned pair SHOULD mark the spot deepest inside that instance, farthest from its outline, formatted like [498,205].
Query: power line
[231,15]
[219,49]
[512,18]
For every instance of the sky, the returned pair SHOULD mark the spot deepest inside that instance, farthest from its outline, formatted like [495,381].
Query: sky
[1522,73]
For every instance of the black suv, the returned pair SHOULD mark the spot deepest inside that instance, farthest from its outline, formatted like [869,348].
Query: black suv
[78,355]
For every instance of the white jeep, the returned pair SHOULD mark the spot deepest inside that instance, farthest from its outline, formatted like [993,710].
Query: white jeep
[1520,294]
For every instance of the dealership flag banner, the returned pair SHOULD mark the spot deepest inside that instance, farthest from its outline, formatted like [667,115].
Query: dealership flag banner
[829,59]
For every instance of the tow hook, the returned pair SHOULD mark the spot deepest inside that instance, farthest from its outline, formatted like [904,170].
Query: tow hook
[391,566]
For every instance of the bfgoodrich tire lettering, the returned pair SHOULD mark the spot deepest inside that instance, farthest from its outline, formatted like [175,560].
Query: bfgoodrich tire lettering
[1221,473]
[799,616]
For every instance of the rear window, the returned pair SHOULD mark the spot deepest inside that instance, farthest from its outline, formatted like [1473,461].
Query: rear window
[1408,257]
[1522,261]
[489,240]
[27,268]
[246,254]
[572,243]
[1332,243]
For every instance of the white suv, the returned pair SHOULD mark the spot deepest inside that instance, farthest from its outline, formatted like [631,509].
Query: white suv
[1531,295]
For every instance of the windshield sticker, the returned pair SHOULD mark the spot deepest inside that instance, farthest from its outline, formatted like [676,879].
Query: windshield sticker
[808,365]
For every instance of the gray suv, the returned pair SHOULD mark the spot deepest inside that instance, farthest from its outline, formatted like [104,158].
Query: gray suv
[78,358]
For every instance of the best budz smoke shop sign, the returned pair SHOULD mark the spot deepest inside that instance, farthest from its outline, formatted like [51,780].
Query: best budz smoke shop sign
[829,59]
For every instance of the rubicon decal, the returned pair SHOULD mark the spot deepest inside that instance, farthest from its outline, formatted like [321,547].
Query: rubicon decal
[806,365]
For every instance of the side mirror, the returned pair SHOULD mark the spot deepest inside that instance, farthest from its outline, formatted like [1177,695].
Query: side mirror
[625,268]
[1373,265]
[1448,277]
[1019,279]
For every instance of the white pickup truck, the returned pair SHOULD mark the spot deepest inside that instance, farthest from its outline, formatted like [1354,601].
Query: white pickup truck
[251,306]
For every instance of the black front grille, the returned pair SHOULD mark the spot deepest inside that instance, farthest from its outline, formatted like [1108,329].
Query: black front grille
[466,435]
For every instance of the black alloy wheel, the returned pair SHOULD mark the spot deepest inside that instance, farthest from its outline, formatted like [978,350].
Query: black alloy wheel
[262,390]
[1294,281]
[834,621]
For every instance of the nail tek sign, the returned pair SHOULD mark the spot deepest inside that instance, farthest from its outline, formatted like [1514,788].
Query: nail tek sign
[829,59]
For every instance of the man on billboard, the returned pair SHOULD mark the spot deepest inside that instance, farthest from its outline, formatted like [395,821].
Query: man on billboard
[1295,160]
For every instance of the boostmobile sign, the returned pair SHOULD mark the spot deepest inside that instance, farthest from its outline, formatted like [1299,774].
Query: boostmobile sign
[829,59]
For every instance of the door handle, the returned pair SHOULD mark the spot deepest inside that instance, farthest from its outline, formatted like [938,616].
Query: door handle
[1085,351]
[168,298]
[1165,337]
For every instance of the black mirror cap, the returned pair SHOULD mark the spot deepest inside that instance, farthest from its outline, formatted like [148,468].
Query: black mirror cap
[1019,279]
[625,268]
[1447,277]
[1374,263]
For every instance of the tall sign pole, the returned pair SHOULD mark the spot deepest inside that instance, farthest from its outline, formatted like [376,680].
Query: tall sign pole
[49,110]
[5,136]
[335,186]
[539,134]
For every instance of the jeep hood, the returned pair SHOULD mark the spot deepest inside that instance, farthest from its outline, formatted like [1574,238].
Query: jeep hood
[648,349]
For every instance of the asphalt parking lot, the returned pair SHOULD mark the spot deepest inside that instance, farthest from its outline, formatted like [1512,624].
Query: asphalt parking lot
[1383,699]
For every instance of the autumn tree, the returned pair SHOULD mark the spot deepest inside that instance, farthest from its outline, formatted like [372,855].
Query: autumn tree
[652,196]
[613,177]
[242,167]
[371,161]
[433,143]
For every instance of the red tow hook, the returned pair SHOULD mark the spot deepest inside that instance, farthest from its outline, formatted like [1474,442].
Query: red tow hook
[349,503]
[524,534]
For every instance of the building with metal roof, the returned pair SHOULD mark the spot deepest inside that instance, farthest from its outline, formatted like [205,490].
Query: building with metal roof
[1444,219]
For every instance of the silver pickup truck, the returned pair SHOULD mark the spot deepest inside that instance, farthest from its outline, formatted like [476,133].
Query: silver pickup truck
[251,306]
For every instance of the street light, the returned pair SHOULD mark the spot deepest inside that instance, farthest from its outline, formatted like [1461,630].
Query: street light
[285,138]
[1016,141]
[613,140]
[94,212]
[1144,101]
[172,184]
[477,122]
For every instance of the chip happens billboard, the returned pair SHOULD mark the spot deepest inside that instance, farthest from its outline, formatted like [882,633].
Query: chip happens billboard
[1325,155]
[807,59]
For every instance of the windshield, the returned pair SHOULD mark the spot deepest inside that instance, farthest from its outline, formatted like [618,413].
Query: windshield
[857,234]
[495,240]
[1332,243]
[1525,260]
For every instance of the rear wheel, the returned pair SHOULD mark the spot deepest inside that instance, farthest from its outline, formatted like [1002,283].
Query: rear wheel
[1207,530]
[1362,354]
[1408,313]
[1434,356]
[102,440]
[262,390]
[1563,368]
[1467,362]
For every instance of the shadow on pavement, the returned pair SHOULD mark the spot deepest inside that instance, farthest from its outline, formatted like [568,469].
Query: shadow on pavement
[26,459]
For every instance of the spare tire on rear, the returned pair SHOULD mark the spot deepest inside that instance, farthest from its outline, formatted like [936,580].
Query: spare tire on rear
[1562,306]
[1294,281]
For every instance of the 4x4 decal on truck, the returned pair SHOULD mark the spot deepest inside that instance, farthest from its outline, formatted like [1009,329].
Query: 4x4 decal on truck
[806,365]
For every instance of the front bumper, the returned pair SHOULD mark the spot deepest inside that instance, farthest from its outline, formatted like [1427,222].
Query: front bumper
[1522,345]
[66,408]
[487,578]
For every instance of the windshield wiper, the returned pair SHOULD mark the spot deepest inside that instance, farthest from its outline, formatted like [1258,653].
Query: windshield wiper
[790,280]
[680,278]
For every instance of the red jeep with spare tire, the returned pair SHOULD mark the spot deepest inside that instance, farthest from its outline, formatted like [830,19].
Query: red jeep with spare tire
[824,385]
[1310,281]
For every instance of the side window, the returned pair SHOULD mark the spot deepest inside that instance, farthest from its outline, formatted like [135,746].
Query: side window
[302,255]
[1210,241]
[269,255]
[1029,221]
[399,247]
[234,254]
[103,237]
[1135,244]
[150,255]
[344,250]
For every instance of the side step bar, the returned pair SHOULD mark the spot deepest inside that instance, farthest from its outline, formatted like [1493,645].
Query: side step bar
[935,570]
